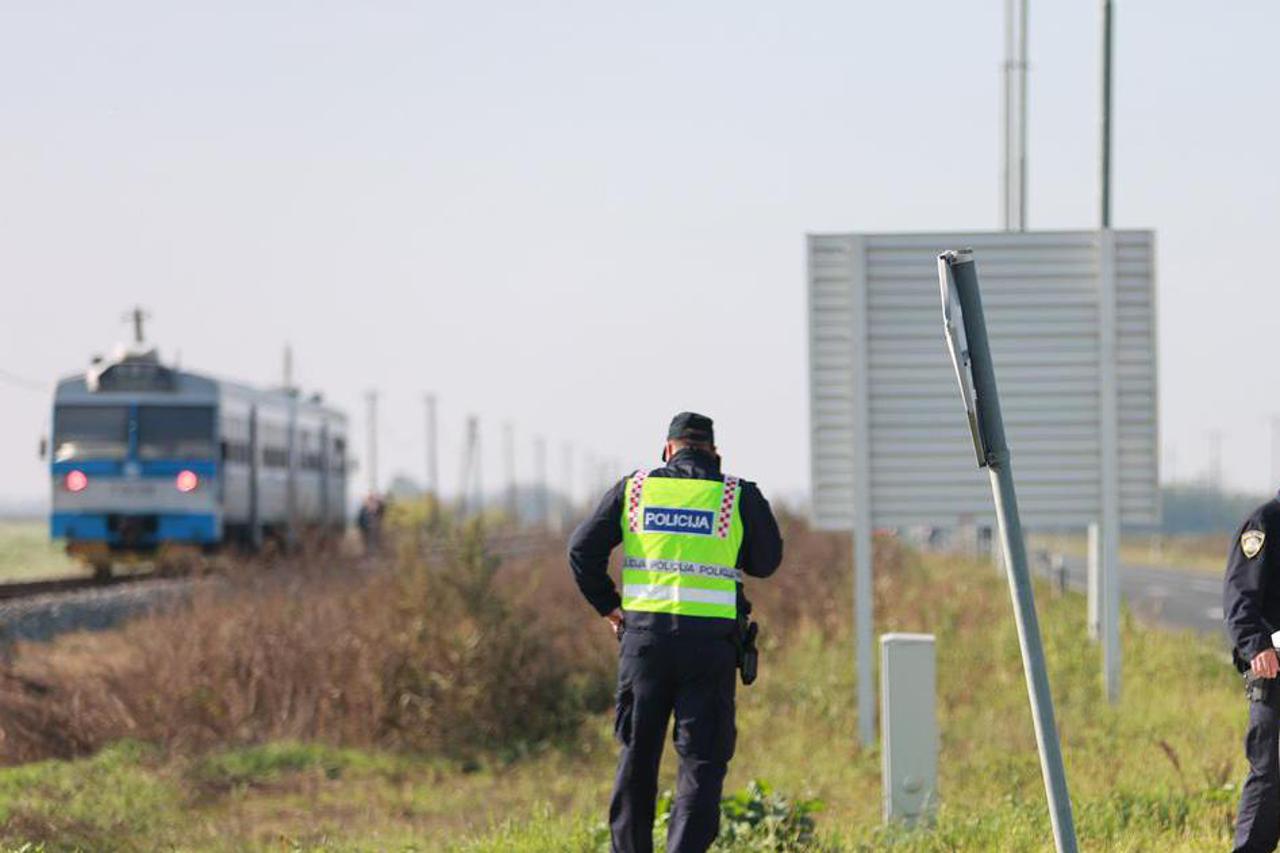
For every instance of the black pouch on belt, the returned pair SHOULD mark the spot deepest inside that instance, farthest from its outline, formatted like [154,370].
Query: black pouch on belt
[744,639]
[1260,689]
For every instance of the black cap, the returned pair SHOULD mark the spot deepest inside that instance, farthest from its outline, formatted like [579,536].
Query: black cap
[692,426]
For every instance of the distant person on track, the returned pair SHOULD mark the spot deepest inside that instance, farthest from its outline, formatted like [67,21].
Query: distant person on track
[1251,607]
[369,521]
[688,533]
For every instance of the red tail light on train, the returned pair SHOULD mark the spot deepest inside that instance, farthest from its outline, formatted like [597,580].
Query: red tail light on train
[76,481]
[187,481]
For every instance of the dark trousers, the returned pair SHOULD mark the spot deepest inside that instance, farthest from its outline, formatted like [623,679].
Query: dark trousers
[693,678]
[1258,823]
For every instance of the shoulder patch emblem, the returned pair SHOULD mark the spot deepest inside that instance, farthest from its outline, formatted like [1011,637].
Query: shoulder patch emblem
[1251,542]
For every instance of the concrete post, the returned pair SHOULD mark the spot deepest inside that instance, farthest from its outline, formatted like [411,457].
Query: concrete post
[909,723]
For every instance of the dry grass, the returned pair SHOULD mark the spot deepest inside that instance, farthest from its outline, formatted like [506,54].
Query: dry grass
[454,655]
[459,653]
[1145,774]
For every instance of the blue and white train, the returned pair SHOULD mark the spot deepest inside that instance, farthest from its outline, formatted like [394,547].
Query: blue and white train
[146,458]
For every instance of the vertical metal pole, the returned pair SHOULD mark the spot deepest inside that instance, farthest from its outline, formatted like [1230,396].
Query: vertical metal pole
[1006,120]
[1094,561]
[1215,460]
[570,487]
[1109,545]
[1105,158]
[1000,470]
[588,478]
[371,402]
[138,317]
[464,482]
[509,464]
[864,616]
[433,471]
[477,465]
[540,472]
[1022,118]
[1110,613]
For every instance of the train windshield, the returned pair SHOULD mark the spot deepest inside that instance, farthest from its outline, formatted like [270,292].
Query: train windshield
[90,432]
[175,432]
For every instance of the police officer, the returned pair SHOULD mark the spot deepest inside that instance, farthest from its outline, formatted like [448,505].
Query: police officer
[688,533]
[1251,607]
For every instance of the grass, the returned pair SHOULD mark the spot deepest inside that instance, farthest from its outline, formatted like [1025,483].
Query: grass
[1200,553]
[1158,771]
[27,553]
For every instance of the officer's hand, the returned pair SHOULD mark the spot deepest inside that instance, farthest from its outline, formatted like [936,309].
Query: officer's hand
[615,621]
[1265,664]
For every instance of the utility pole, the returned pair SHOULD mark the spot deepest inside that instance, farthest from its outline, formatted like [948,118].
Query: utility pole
[1022,117]
[540,473]
[1215,460]
[567,503]
[509,464]
[1014,111]
[371,403]
[588,476]
[1105,159]
[470,494]
[433,472]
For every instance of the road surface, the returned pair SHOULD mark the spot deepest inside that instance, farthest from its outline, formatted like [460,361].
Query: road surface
[1173,598]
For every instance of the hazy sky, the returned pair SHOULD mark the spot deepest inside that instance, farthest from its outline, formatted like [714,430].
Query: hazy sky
[582,217]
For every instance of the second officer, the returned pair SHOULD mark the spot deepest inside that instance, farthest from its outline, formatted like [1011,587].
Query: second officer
[1251,607]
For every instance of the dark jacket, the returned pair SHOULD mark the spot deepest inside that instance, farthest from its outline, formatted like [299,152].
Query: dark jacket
[601,532]
[1251,590]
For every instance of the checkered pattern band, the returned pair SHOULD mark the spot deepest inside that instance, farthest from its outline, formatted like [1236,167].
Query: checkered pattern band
[633,500]
[724,519]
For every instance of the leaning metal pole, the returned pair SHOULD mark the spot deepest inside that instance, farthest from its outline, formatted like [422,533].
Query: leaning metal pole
[971,352]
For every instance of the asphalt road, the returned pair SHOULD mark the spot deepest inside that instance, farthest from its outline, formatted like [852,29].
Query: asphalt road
[1172,598]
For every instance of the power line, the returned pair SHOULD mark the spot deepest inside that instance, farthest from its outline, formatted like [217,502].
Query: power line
[22,382]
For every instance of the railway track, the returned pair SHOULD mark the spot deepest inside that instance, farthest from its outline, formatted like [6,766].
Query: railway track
[63,586]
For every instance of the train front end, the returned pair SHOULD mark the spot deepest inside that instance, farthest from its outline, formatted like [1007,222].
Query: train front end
[135,462]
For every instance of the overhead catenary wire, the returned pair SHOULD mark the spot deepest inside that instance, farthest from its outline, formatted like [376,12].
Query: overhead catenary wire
[23,382]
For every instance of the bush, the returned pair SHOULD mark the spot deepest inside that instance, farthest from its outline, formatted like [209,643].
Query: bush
[755,818]
[752,819]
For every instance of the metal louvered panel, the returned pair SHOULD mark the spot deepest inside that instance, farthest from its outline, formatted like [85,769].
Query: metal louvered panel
[882,390]
[831,403]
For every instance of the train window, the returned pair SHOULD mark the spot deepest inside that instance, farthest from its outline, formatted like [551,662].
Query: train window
[175,432]
[136,376]
[237,453]
[90,432]
[339,454]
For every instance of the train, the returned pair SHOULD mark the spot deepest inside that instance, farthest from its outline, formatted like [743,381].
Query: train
[149,461]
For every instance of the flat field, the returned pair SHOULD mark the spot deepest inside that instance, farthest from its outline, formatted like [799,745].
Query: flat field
[26,553]
[1159,771]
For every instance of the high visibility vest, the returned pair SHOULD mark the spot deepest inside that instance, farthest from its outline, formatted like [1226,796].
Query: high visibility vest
[680,541]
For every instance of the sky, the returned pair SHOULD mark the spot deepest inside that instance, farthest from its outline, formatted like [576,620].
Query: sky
[582,217]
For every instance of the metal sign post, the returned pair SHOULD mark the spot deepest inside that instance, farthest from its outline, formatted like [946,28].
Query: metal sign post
[966,335]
